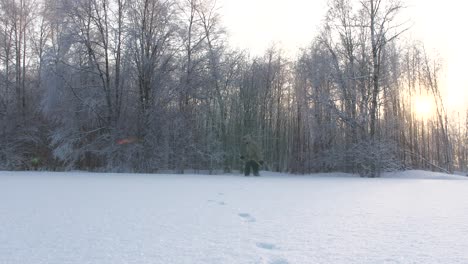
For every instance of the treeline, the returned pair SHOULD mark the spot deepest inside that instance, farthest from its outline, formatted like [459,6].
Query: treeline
[152,85]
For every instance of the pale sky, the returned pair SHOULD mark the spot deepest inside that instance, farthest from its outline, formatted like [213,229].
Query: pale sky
[440,24]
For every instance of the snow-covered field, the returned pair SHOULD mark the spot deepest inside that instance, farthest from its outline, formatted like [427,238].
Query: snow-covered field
[81,218]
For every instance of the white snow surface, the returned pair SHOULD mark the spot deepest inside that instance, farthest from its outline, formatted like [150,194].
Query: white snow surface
[91,218]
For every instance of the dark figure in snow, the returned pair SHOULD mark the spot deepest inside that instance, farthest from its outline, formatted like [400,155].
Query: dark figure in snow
[251,155]
[35,162]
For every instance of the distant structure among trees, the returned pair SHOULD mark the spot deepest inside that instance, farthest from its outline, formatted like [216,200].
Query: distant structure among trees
[151,85]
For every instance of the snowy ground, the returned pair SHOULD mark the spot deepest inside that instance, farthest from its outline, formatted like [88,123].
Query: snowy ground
[80,218]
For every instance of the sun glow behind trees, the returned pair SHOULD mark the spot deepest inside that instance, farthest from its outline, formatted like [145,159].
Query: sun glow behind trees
[423,106]
[441,25]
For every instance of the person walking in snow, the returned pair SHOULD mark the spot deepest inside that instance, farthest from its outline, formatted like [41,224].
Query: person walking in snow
[251,155]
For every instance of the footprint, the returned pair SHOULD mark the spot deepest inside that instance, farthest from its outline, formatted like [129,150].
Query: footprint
[279,261]
[217,202]
[268,246]
[247,217]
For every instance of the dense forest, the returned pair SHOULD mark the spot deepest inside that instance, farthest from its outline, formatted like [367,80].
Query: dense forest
[153,85]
